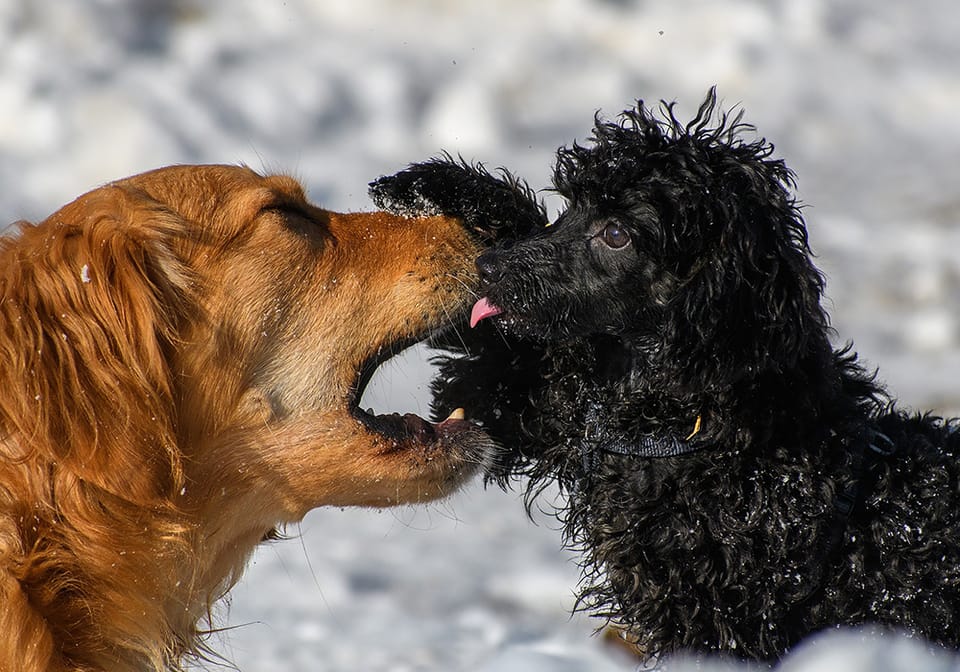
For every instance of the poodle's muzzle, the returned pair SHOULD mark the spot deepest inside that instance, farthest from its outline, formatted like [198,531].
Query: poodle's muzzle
[584,275]
[522,287]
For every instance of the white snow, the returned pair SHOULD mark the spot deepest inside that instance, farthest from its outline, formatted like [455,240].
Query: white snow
[859,97]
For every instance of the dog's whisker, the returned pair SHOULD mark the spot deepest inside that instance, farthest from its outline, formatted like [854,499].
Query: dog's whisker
[470,289]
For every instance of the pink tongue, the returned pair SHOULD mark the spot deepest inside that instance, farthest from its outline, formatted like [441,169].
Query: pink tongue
[483,309]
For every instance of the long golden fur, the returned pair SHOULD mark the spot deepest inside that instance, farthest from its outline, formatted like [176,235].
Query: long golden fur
[182,353]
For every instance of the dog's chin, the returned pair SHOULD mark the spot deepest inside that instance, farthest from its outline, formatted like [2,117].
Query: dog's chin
[508,321]
[543,322]
[542,332]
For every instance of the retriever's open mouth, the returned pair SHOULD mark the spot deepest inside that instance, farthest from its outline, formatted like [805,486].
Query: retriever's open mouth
[405,427]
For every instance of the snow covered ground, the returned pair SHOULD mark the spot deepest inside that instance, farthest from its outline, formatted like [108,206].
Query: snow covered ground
[860,98]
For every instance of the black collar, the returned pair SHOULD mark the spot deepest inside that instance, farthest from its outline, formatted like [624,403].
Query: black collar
[598,439]
[651,445]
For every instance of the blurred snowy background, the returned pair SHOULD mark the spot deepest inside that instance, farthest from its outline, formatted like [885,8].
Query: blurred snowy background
[860,98]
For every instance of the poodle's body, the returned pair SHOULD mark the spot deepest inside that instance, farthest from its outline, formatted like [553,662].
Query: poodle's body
[733,481]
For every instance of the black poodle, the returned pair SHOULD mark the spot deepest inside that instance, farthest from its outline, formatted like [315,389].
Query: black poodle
[733,481]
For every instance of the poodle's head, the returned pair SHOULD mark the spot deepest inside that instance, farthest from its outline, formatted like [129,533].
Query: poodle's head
[681,238]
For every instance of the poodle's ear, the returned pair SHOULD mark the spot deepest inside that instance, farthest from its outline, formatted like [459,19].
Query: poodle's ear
[494,207]
[754,300]
[91,300]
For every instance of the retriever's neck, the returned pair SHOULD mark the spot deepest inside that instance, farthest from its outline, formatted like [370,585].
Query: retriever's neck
[125,586]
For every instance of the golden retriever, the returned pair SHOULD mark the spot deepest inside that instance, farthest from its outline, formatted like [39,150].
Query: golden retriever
[182,356]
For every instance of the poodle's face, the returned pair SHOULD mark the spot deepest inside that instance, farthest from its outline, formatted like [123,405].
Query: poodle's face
[682,238]
[599,269]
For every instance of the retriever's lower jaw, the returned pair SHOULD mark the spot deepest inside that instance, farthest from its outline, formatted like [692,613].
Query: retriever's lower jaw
[424,460]
[452,440]
[433,460]
[410,430]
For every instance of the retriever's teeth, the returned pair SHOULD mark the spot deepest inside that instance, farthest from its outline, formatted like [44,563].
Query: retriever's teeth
[458,414]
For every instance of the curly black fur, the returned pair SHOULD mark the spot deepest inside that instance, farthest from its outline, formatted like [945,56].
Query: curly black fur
[494,207]
[678,285]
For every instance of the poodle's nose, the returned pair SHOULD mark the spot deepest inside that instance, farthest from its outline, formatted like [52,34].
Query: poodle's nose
[488,265]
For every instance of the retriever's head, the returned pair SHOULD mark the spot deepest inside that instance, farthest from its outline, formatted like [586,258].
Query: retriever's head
[183,355]
[206,323]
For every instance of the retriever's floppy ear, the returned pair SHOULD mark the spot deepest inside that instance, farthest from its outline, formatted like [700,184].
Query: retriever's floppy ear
[492,207]
[91,298]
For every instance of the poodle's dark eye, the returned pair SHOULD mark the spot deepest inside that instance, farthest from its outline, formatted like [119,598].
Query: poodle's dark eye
[615,236]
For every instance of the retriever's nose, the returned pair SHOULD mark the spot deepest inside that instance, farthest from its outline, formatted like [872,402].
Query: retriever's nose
[488,265]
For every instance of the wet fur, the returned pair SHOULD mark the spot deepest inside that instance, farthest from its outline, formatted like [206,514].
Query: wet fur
[180,350]
[712,310]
